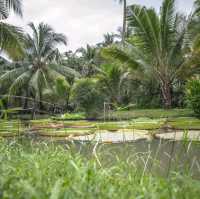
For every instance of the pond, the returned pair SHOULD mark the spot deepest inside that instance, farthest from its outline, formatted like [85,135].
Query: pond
[157,156]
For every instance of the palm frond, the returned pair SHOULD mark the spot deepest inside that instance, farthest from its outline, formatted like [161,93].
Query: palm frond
[53,75]
[37,83]
[7,78]
[53,55]
[11,40]
[42,44]
[15,5]
[64,70]
[197,7]
[116,54]
[144,23]
[168,25]
[4,13]
[20,82]
[34,40]
[7,5]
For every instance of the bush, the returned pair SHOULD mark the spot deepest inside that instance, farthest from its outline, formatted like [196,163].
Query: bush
[71,116]
[193,95]
[58,94]
[87,97]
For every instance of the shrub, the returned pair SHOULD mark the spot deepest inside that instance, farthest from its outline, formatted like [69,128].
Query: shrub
[71,116]
[87,97]
[193,95]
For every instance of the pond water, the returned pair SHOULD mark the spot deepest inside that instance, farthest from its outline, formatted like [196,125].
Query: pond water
[156,156]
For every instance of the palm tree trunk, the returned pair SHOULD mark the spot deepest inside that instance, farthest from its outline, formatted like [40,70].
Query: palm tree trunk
[124,22]
[166,93]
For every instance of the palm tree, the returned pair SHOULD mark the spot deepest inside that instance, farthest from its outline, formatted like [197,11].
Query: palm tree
[73,60]
[194,30]
[10,36]
[113,81]
[119,34]
[109,38]
[89,60]
[7,5]
[157,44]
[40,68]
[197,7]
[124,2]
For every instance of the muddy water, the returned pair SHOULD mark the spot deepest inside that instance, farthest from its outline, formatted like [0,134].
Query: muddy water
[158,156]
[155,156]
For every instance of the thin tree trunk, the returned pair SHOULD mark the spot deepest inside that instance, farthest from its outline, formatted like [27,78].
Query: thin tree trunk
[25,105]
[34,109]
[68,97]
[166,93]
[124,22]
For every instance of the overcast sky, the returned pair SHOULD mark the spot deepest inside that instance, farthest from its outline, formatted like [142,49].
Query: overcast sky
[82,21]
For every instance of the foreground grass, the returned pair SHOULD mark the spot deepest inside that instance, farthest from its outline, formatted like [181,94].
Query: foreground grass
[52,172]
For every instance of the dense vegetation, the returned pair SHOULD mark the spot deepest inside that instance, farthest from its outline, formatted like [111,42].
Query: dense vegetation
[42,171]
[193,95]
[144,79]
[147,64]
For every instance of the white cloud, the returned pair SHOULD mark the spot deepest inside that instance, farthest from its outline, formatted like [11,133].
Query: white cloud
[83,21]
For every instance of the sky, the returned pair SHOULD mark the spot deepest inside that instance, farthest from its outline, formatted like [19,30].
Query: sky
[82,21]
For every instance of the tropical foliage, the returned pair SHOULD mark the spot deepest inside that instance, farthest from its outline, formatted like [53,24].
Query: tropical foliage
[145,64]
[193,95]
[87,97]
[156,46]
[89,60]
[11,38]
[151,62]
[114,82]
[36,74]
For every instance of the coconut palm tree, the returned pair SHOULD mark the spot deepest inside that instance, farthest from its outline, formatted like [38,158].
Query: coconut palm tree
[88,56]
[40,67]
[157,45]
[10,36]
[7,5]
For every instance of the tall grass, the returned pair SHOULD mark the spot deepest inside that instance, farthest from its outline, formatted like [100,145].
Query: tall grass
[40,171]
